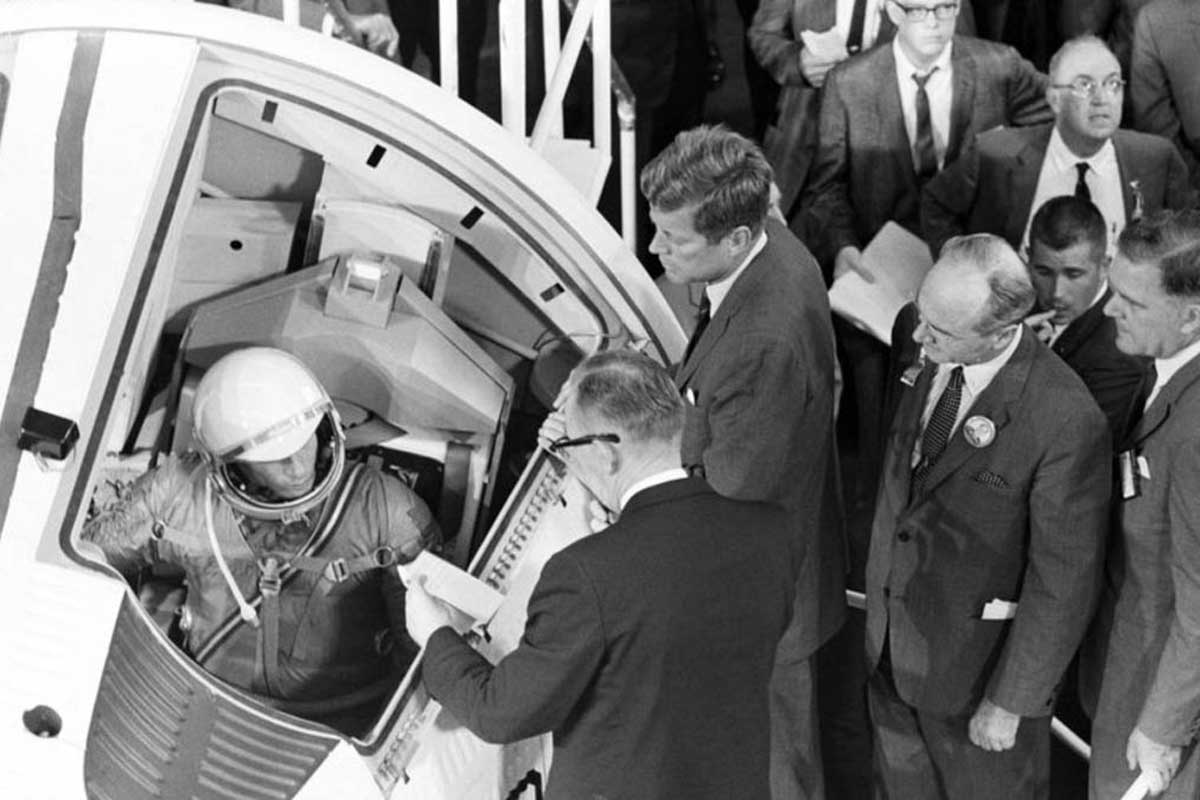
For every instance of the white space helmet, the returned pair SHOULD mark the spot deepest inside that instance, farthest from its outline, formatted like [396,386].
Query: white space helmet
[262,404]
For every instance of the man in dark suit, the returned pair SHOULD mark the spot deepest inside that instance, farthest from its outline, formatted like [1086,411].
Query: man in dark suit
[987,541]
[758,384]
[1164,76]
[1144,651]
[1007,174]
[1069,267]
[649,645]
[776,37]
[877,149]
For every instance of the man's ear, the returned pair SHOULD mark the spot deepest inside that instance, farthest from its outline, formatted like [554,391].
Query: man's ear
[738,240]
[1191,319]
[894,13]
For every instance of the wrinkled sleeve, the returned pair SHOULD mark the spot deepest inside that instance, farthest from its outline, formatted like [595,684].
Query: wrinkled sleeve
[127,531]
[828,189]
[770,38]
[408,529]
[534,688]
[767,390]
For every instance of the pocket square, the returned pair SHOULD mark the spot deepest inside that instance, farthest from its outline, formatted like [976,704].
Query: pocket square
[989,478]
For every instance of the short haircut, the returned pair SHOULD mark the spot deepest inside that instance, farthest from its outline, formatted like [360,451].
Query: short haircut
[1169,240]
[1011,295]
[724,174]
[1073,44]
[1066,221]
[631,392]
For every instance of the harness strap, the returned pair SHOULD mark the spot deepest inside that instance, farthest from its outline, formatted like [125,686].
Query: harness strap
[330,519]
[267,656]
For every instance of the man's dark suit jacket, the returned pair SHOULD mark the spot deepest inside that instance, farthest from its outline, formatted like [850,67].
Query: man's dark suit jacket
[1163,83]
[647,651]
[759,386]
[1089,346]
[991,188]
[1021,518]
[1143,653]
[864,174]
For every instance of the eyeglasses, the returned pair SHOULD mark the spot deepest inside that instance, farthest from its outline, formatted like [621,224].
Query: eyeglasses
[1085,88]
[565,442]
[942,11]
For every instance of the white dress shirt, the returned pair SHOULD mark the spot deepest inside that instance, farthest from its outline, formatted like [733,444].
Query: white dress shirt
[940,89]
[1167,367]
[666,476]
[717,290]
[1103,178]
[976,378]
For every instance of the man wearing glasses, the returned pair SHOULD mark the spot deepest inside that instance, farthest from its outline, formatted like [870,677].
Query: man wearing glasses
[987,543]
[649,645]
[1009,174]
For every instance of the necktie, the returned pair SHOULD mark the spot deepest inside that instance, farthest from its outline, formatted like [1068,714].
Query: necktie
[1081,188]
[937,430]
[1147,392]
[925,152]
[858,18]
[702,320]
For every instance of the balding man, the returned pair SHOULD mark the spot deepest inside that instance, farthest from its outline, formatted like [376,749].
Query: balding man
[1010,172]
[987,540]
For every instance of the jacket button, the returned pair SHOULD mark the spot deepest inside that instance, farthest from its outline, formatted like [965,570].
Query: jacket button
[903,536]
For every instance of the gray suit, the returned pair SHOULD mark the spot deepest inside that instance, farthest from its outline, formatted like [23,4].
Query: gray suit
[864,174]
[1164,78]
[1144,652]
[991,188]
[760,427]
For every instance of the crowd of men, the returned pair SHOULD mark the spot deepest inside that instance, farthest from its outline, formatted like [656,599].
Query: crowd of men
[1027,446]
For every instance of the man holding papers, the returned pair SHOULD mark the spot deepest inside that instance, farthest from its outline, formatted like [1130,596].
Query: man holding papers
[987,542]
[649,645]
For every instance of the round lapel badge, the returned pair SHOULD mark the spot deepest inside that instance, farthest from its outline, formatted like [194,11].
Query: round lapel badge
[980,431]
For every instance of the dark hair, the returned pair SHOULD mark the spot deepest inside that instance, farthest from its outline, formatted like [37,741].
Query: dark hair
[633,393]
[721,172]
[1012,295]
[1171,241]
[1066,221]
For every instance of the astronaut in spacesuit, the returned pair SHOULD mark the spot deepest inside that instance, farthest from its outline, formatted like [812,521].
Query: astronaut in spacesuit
[286,552]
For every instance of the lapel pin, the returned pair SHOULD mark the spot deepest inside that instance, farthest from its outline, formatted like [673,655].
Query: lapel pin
[980,431]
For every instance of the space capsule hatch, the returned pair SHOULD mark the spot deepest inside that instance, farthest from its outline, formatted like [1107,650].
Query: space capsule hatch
[180,180]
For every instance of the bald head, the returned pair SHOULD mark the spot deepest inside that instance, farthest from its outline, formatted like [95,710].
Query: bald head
[973,300]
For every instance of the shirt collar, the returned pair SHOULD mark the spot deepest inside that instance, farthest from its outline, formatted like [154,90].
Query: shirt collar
[1062,159]
[976,377]
[717,290]
[906,68]
[666,476]
[1166,368]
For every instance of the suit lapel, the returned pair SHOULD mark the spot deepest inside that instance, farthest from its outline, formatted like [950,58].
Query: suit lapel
[890,113]
[1023,179]
[962,101]
[1081,329]
[1160,409]
[906,427]
[1126,158]
[745,286]
[994,404]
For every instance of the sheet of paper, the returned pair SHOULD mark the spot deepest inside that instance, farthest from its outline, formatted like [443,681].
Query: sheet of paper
[898,261]
[453,585]
[826,45]
[997,609]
